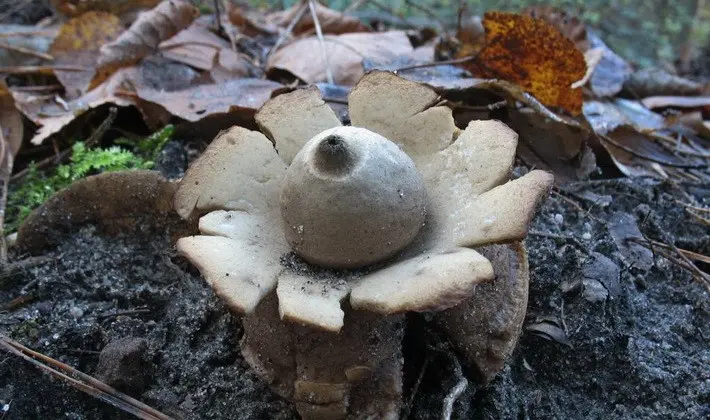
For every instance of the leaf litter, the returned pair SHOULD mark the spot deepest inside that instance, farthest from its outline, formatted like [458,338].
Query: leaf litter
[581,110]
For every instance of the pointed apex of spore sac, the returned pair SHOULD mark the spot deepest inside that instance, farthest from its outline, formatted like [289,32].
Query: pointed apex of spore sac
[333,155]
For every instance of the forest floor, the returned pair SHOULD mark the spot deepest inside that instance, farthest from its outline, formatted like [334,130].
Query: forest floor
[612,330]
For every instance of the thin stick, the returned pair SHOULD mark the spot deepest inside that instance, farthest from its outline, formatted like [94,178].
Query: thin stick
[123,313]
[438,63]
[393,13]
[40,69]
[456,391]
[319,33]
[6,160]
[289,30]
[408,407]
[85,383]
[354,6]
[689,254]
[64,154]
[429,13]
[38,88]
[25,51]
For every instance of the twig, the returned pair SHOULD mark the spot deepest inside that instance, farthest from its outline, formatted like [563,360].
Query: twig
[40,69]
[319,34]
[438,63]
[64,154]
[6,161]
[429,13]
[115,314]
[576,205]
[336,100]
[393,13]
[25,51]
[38,88]
[354,6]
[689,254]
[289,30]
[682,260]
[82,381]
[413,393]
[565,238]
[456,391]
[460,105]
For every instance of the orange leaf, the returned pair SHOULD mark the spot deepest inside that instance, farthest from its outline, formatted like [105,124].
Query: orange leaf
[533,54]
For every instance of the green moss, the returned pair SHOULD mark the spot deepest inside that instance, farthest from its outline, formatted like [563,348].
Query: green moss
[38,186]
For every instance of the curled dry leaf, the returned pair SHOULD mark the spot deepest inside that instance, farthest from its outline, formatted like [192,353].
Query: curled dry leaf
[200,48]
[643,143]
[117,7]
[533,54]
[78,43]
[304,58]
[53,115]
[195,103]
[331,21]
[143,37]
[550,329]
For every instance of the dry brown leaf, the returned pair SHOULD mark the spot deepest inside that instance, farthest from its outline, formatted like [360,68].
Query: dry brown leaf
[331,21]
[533,54]
[144,36]
[10,123]
[52,114]
[195,103]
[304,58]
[11,131]
[117,7]
[641,143]
[249,22]
[78,43]
[637,154]
[198,47]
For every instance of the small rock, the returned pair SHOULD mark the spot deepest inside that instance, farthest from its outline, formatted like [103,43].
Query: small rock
[123,365]
[76,312]
[559,219]
[586,236]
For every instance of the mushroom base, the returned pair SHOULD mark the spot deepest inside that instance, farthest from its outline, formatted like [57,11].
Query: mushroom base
[355,374]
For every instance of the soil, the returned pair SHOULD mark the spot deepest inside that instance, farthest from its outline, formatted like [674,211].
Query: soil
[625,335]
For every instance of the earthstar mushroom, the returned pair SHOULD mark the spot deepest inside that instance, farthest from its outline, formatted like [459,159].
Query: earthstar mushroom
[352,227]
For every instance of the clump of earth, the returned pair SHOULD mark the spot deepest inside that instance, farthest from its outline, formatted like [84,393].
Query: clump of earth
[612,331]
